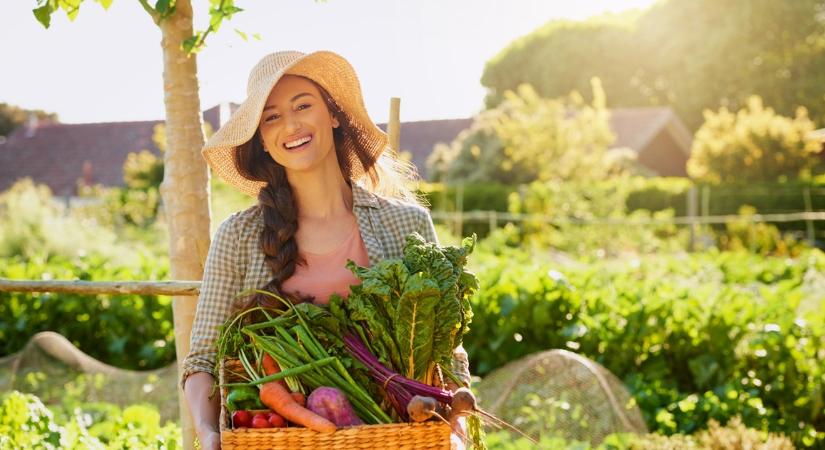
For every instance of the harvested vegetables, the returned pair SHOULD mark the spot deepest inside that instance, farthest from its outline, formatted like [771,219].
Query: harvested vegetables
[392,339]
[412,312]
[332,404]
[275,395]
[243,397]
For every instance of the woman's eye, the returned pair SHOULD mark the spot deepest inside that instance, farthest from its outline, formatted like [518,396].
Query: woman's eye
[272,117]
[303,106]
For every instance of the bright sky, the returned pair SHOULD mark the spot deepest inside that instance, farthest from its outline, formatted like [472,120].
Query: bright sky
[107,66]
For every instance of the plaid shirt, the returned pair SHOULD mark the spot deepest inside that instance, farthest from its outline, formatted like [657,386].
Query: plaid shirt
[235,263]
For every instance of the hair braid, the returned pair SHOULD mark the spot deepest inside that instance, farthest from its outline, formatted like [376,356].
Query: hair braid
[280,217]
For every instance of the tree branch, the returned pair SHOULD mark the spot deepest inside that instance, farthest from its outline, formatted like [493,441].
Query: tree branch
[151,11]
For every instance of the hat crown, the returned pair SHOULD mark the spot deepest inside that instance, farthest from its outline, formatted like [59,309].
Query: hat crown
[271,66]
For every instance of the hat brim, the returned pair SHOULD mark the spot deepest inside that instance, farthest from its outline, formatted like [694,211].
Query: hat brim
[330,71]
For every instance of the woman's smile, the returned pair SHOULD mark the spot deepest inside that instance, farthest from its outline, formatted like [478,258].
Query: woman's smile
[298,143]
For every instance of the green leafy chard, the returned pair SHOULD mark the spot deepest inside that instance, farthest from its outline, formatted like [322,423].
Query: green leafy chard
[415,310]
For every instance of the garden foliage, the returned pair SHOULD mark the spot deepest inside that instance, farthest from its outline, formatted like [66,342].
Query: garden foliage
[694,337]
[753,144]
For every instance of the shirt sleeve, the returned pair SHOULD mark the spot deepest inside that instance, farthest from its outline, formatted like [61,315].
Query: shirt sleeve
[426,228]
[222,280]
[461,363]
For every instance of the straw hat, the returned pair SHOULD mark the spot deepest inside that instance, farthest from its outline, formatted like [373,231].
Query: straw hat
[329,70]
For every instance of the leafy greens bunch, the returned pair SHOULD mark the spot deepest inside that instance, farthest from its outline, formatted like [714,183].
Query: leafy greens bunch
[414,311]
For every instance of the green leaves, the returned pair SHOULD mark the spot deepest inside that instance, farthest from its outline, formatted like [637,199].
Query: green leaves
[414,323]
[694,337]
[219,10]
[416,309]
[45,9]
[43,15]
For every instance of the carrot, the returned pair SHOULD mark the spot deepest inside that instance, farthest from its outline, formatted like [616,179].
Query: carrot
[271,368]
[277,397]
[280,400]
[299,398]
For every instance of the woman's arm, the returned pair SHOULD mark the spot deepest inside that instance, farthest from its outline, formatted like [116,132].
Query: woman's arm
[205,410]
[222,280]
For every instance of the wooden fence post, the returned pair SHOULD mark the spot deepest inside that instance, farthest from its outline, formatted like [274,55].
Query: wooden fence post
[394,124]
[692,212]
[459,206]
[809,224]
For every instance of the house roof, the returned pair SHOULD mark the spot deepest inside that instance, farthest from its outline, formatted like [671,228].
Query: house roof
[420,137]
[636,127]
[55,153]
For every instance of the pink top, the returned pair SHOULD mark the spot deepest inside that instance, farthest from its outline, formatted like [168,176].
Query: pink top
[326,273]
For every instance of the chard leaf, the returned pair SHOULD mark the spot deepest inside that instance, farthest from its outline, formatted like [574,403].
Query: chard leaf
[446,327]
[414,325]
[365,308]
[384,281]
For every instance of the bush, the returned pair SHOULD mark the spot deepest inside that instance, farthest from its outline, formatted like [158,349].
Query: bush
[571,205]
[26,422]
[529,138]
[754,144]
[33,225]
[733,436]
[694,337]
[128,331]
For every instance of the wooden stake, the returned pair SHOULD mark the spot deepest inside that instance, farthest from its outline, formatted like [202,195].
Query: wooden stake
[394,124]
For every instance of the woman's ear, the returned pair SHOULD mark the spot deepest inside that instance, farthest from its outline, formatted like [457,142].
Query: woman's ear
[335,123]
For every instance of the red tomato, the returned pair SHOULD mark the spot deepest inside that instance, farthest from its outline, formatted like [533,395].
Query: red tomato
[259,421]
[241,419]
[276,420]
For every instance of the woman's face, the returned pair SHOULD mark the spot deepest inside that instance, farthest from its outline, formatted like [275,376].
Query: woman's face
[296,126]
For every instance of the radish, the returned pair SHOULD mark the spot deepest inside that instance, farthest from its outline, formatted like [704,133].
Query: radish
[422,408]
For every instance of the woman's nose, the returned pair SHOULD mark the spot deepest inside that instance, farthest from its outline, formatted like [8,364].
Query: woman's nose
[292,124]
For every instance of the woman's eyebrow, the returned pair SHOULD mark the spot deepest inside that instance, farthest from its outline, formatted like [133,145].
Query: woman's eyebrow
[302,94]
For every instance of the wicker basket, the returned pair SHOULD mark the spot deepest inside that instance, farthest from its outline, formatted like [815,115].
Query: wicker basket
[426,435]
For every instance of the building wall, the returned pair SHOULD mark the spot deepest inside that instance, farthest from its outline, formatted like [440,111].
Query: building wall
[663,155]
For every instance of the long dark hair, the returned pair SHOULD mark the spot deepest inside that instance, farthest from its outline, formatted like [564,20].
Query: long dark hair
[276,200]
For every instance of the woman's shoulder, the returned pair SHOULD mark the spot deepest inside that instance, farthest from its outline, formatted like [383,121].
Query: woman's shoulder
[402,207]
[243,223]
[389,206]
[398,218]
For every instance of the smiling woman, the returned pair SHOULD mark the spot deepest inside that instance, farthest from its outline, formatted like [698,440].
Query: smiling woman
[329,190]
[296,130]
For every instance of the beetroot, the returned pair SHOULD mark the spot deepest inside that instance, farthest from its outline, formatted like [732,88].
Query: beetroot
[332,404]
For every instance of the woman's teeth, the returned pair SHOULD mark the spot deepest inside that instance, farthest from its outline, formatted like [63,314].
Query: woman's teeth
[297,142]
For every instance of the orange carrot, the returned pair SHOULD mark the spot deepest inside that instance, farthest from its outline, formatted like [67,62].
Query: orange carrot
[271,367]
[277,397]
[299,398]
[280,400]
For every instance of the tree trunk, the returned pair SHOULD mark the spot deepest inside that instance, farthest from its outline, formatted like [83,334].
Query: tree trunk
[185,187]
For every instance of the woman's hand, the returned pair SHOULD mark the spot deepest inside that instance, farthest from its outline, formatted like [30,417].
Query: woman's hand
[210,440]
